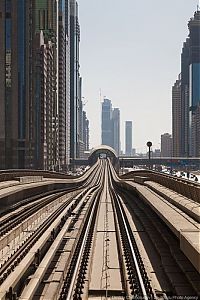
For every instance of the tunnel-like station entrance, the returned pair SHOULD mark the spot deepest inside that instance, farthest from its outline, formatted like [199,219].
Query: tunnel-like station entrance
[101,152]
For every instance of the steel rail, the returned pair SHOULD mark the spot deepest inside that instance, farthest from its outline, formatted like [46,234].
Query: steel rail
[72,284]
[44,230]
[40,238]
[116,201]
[77,183]
[142,285]
[31,288]
[33,238]
[29,258]
[81,244]
[14,219]
[9,212]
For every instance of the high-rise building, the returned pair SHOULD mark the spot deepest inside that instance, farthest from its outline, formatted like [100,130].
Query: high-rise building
[85,131]
[67,84]
[106,123]
[110,126]
[45,129]
[177,118]
[80,142]
[44,95]
[194,77]
[28,96]
[62,83]
[166,145]
[128,138]
[75,85]
[184,113]
[15,89]
[116,129]
[184,117]
[41,109]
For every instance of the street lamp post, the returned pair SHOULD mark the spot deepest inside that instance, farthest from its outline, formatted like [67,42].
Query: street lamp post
[149,144]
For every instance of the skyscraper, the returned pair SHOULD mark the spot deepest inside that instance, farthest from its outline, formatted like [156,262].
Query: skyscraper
[45,85]
[74,78]
[194,77]
[15,89]
[110,126]
[85,131]
[62,91]
[186,94]
[44,106]
[128,138]
[177,129]
[184,113]
[106,123]
[116,129]
[67,84]
[28,137]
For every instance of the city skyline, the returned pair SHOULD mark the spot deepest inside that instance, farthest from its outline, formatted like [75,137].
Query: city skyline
[114,66]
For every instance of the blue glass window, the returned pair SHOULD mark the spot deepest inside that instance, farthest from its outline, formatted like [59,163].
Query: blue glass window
[194,84]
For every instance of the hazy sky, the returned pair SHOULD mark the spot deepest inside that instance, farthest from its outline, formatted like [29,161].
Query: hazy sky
[131,51]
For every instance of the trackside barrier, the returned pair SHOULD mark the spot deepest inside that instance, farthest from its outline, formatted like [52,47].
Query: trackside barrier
[184,187]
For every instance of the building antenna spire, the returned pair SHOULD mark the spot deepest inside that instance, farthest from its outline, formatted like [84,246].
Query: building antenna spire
[100,95]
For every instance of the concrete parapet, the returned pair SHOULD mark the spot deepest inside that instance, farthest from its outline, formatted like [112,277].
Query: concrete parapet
[6,175]
[182,186]
[18,193]
[187,205]
[186,231]
[190,245]
[29,179]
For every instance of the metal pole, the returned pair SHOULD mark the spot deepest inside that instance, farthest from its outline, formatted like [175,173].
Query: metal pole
[149,144]
[149,153]
[149,157]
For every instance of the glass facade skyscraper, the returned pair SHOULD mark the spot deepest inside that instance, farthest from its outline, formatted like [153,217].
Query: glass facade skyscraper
[75,81]
[185,143]
[194,78]
[16,32]
[110,125]
[181,115]
[194,85]
[106,123]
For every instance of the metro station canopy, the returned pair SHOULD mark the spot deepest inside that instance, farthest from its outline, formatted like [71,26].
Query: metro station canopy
[102,151]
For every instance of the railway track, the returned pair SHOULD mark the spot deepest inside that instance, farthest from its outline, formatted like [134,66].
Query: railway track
[18,212]
[139,283]
[53,221]
[76,284]
[88,248]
